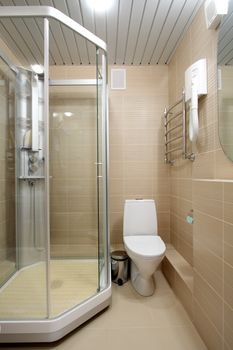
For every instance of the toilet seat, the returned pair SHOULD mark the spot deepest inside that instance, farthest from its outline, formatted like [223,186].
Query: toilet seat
[145,246]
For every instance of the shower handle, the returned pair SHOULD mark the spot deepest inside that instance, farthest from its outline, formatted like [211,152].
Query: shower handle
[99,163]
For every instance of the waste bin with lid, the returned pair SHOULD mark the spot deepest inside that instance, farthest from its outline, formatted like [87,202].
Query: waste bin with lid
[119,267]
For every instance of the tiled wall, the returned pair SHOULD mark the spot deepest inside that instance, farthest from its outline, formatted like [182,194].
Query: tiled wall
[203,186]
[73,200]
[137,169]
[213,262]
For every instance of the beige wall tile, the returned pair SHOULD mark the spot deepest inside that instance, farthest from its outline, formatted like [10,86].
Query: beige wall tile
[209,301]
[228,254]
[228,322]
[206,138]
[174,239]
[162,203]
[169,272]
[228,284]
[184,294]
[228,212]
[208,232]
[211,190]
[206,328]
[116,222]
[204,166]
[182,228]
[138,169]
[212,200]
[228,233]
[138,187]
[186,250]
[224,167]
[208,206]
[115,186]
[59,237]
[116,236]
[161,187]
[138,153]
[228,192]
[209,266]
[116,203]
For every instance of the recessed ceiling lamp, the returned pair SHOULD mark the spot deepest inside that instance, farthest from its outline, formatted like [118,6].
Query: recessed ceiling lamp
[68,114]
[100,5]
[37,68]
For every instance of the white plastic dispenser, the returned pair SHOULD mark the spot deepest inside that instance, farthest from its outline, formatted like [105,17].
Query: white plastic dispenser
[195,87]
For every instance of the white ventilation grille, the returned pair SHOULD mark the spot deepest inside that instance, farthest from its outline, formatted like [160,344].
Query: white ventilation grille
[118,79]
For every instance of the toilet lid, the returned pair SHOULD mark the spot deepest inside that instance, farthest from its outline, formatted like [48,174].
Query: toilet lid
[147,246]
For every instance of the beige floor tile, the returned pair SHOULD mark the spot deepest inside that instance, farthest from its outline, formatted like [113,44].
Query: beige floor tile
[134,322]
[177,338]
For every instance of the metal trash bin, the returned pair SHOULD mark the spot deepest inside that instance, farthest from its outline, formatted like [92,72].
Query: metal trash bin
[119,267]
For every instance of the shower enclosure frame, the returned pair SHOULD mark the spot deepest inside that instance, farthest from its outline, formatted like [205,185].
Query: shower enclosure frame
[52,329]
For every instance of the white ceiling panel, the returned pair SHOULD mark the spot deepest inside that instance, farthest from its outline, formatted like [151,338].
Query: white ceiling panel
[180,26]
[112,28]
[146,25]
[138,9]
[75,13]
[156,30]
[167,28]
[69,34]
[136,31]
[88,22]
[124,18]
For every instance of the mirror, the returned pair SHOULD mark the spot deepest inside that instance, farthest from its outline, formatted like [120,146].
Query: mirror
[225,82]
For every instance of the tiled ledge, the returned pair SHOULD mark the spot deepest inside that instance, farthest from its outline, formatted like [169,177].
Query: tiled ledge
[181,266]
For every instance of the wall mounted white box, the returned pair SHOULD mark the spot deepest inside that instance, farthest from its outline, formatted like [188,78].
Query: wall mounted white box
[214,10]
[197,71]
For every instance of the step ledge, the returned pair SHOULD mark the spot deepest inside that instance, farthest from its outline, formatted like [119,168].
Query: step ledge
[182,267]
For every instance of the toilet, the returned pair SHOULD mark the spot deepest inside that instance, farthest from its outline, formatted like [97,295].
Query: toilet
[142,243]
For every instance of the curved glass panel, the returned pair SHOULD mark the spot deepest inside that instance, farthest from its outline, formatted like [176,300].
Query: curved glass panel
[23,294]
[7,174]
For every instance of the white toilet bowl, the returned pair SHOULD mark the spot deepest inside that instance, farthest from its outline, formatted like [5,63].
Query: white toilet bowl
[142,243]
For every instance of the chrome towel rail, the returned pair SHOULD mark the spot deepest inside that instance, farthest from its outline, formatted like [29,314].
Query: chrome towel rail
[175,132]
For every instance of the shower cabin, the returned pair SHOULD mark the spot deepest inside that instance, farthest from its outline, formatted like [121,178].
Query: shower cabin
[54,244]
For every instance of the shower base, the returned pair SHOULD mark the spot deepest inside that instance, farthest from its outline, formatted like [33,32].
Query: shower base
[24,295]
[73,300]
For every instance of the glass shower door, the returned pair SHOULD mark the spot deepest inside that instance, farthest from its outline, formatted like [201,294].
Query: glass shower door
[73,194]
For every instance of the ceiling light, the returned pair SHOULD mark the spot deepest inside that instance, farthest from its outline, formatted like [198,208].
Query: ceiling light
[100,5]
[68,114]
[37,68]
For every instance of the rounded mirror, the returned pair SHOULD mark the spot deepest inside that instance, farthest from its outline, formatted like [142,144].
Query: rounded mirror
[225,82]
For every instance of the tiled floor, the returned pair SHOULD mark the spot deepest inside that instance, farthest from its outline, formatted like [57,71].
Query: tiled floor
[134,322]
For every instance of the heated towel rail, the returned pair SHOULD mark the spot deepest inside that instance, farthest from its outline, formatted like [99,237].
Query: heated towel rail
[175,132]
